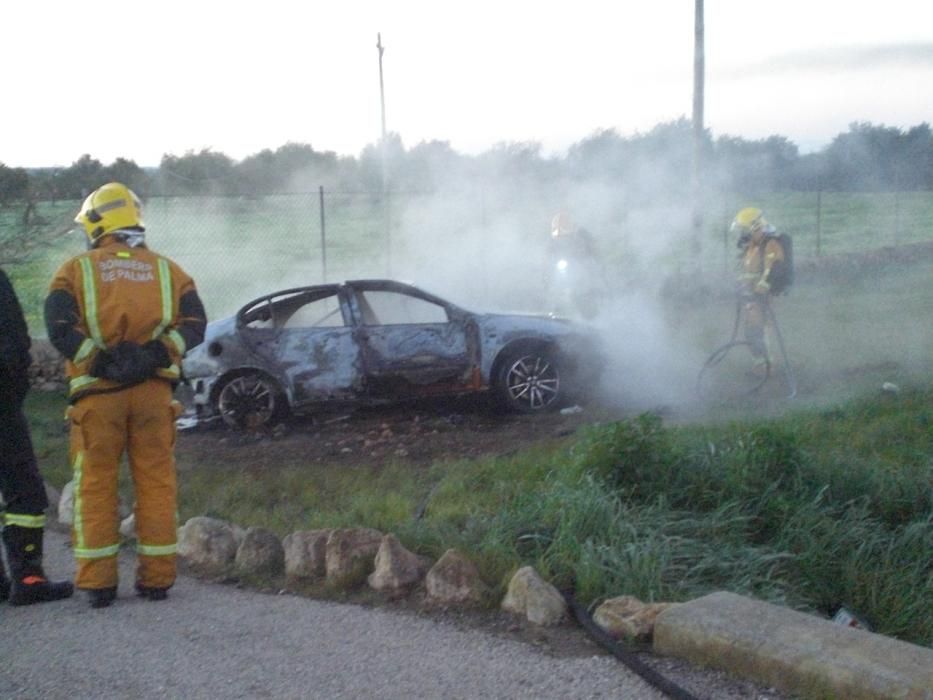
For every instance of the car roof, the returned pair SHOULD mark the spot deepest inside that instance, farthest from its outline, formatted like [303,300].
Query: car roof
[372,283]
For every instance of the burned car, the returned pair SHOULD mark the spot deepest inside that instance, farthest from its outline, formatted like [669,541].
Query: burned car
[370,341]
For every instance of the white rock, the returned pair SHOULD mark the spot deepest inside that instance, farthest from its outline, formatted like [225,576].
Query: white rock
[66,504]
[536,599]
[128,526]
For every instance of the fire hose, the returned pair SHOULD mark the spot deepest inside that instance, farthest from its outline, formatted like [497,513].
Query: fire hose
[719,354]
[599,635]
[612,645]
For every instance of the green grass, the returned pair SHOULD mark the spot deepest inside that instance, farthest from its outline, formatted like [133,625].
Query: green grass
[817,509]
[840,221]
[49,432]
[31,276]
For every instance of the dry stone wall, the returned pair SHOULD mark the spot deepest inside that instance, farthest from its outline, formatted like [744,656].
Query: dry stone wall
[47,371]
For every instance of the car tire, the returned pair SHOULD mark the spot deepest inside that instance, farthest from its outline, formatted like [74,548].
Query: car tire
[529,381]
[250,401]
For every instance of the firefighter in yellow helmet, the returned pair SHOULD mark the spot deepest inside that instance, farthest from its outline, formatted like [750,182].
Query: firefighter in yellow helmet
[760,251]
[123,317]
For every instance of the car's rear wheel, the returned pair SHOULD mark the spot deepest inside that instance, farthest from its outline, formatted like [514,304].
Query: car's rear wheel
[250,401]
[529,381]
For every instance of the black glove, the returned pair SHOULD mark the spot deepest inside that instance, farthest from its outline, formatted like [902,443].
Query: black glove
[125,363]
[157,354]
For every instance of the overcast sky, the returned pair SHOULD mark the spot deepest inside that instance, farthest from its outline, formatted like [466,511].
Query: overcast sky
[141,79]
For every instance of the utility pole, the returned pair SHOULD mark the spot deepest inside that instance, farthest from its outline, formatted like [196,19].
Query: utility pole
[382,101]
[698,131]
[385,172]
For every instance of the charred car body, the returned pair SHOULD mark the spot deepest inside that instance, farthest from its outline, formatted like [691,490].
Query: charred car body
[370,341]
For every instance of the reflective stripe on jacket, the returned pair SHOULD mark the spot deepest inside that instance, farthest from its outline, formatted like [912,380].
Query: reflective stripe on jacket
[756,268]
[123,294]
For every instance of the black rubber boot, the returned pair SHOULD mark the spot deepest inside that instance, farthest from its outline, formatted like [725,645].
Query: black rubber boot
[102,597]
[151,592]
[28,583]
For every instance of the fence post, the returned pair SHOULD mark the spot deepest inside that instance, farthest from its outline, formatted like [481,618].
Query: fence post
[897,205]
[323,236]
[387,229]
[725,243]
[483,243]
[819,219]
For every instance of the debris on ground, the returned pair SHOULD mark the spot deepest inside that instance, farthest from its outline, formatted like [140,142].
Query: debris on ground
[419,433]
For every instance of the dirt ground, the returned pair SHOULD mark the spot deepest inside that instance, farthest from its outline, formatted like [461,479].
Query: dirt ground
[417,433]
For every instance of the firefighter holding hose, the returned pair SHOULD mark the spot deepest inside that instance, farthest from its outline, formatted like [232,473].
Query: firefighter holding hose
[761,277]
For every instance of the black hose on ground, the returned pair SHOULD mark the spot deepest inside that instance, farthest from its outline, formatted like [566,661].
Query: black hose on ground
[719,354]
[789,379]
[610,644]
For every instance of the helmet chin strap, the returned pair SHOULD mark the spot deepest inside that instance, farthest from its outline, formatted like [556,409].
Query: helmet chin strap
[134,238]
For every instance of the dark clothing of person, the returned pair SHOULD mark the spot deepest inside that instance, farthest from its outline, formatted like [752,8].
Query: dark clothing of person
[21,485]
[574,279]
[14,345]
[20,481]
[577,246]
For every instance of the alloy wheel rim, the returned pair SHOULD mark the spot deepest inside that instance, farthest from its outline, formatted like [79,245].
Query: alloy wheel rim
[533,382]
[247,401]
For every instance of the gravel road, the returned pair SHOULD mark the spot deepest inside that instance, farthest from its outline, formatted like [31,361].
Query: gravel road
[217,641]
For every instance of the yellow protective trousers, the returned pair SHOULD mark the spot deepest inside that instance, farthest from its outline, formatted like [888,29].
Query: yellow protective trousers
[139,421]
[758,328]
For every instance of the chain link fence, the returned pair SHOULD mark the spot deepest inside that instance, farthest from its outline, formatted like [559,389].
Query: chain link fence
[482,247]
[832,223]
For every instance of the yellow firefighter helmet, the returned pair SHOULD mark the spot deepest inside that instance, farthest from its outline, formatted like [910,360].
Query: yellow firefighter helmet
[749,226]
[749,220]
[562,225]
[112,207]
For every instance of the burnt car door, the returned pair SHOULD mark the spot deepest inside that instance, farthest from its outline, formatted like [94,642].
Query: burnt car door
[412,342]
[307,342]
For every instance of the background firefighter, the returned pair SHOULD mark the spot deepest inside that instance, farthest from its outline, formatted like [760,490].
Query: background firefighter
[20,482]
[123,317]
[760,252]
[574,275]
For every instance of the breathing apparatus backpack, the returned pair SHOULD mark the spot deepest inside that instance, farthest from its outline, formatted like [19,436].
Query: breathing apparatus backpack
[781,278]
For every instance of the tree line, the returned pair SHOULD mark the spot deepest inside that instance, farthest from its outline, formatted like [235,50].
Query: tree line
[867,157]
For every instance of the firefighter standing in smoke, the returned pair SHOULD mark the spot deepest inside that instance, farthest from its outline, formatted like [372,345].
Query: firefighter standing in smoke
[20,482]
[760,252]
[573,270]
[123,317]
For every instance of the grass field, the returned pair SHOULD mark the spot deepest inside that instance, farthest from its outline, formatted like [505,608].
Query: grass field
[483,250]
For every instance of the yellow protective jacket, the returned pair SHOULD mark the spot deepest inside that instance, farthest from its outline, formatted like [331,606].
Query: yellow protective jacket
[116,293]
[757,261]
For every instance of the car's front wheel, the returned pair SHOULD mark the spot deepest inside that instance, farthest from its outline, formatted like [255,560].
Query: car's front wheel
[250,401]
[529,381]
